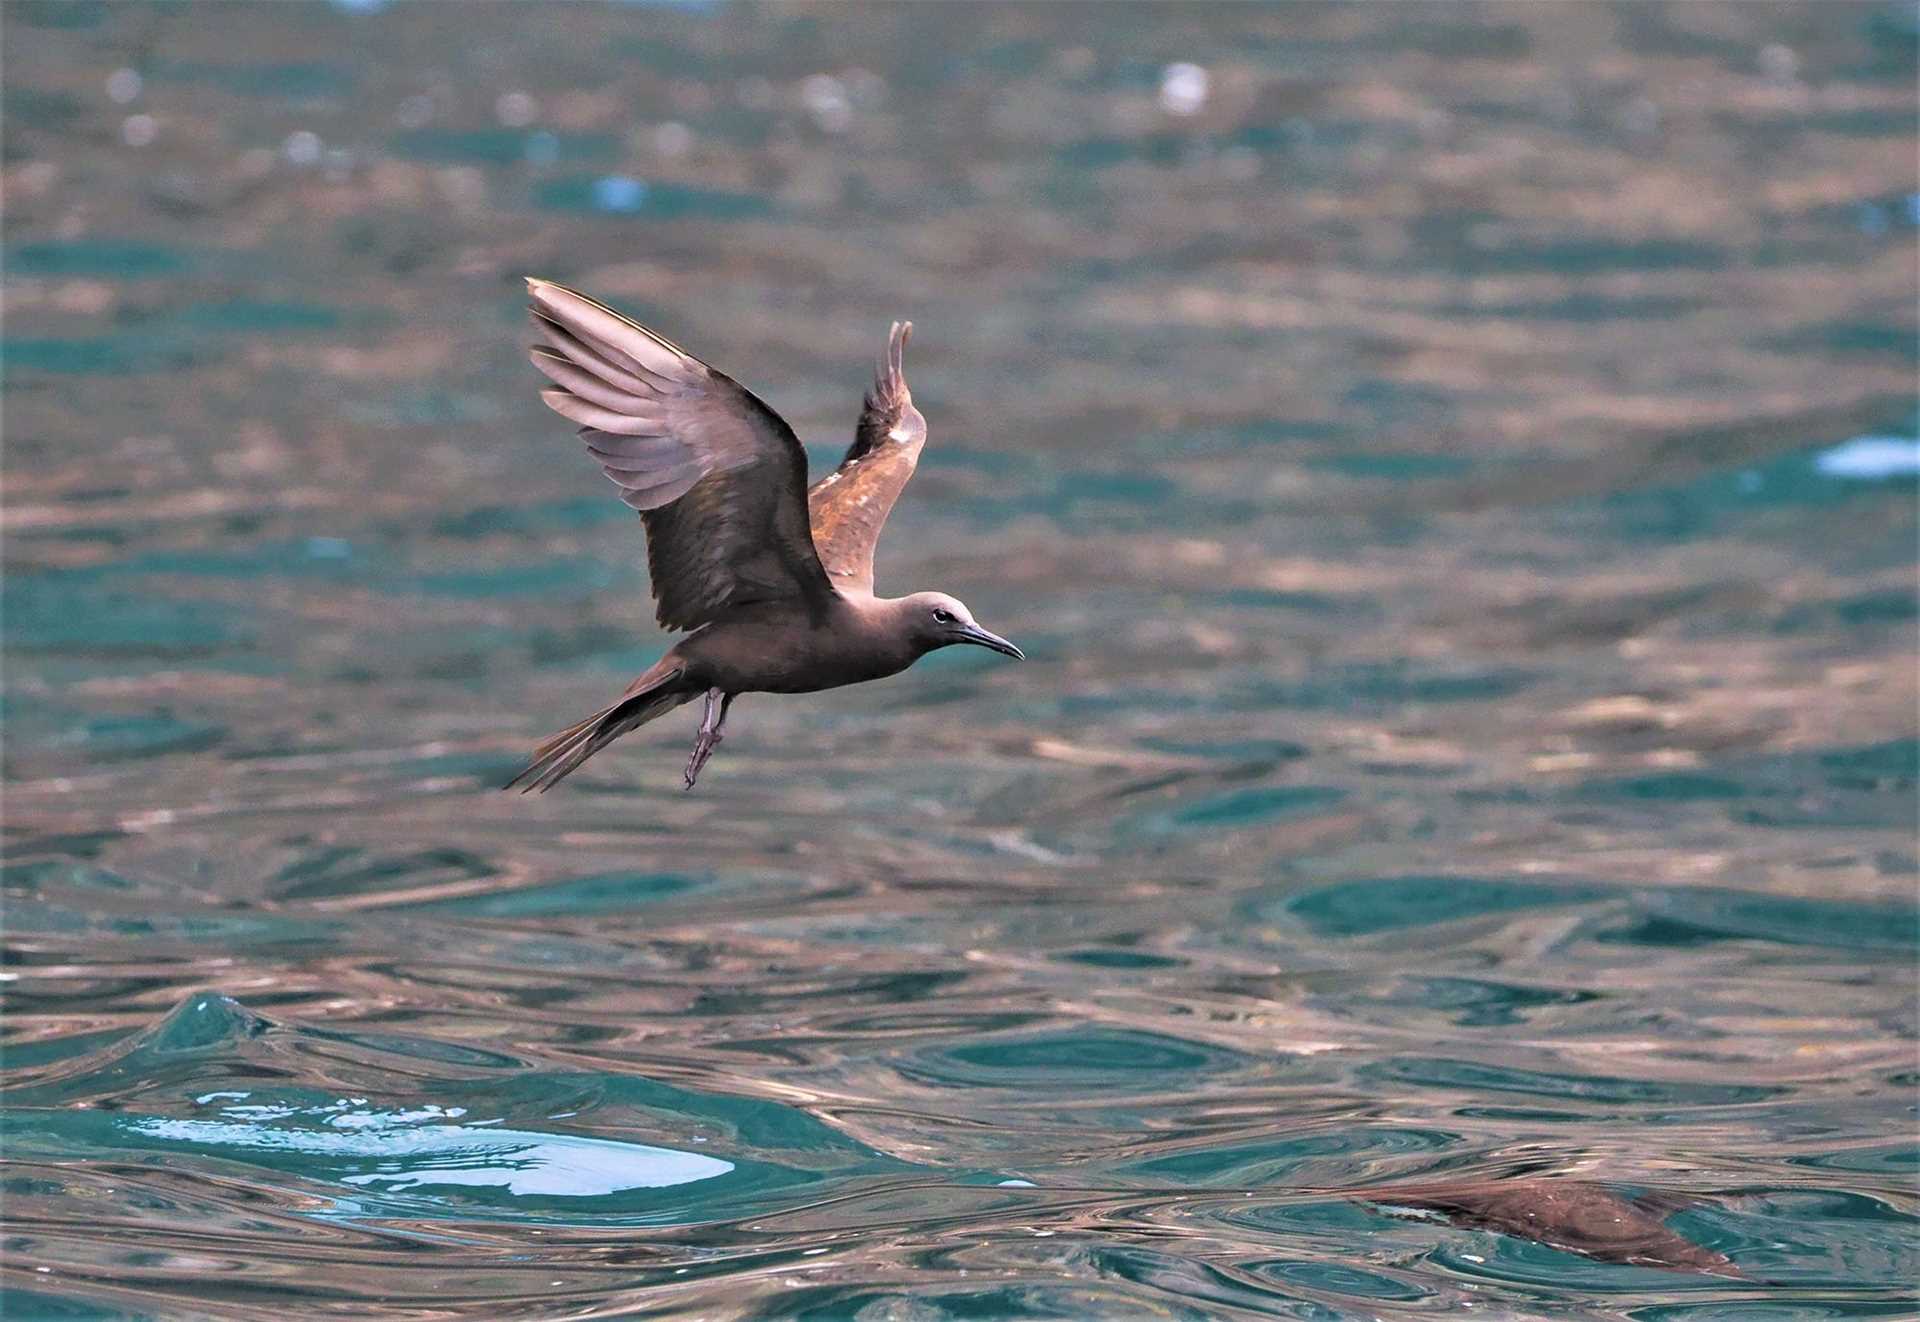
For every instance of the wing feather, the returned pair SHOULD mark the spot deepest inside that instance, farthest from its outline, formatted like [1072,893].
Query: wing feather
[585,384]
[719,478]
[847,508]
[649,420]
[575,350]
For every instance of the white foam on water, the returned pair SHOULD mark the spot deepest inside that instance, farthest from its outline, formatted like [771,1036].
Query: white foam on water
[1869,458]
[413,1155]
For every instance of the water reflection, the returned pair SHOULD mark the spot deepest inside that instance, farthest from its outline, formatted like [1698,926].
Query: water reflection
[1454,469]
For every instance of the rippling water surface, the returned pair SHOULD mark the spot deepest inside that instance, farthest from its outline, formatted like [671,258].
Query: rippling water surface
[1454,843]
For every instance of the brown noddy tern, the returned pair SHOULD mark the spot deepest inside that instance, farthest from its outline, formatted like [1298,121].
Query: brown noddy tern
[774,578]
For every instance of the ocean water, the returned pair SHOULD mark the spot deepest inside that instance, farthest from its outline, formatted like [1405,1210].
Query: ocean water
[1453,469]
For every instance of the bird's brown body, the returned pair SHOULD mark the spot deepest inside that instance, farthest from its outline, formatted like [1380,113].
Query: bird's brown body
[774,578]
[777,649]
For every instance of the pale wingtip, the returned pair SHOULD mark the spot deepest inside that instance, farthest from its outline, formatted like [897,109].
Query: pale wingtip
[891,376]
[547,295]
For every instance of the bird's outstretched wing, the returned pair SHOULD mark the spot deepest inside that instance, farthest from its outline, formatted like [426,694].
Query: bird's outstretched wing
[848,507]
[718,477]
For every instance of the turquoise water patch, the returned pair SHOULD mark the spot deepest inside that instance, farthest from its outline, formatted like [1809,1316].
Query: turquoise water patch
[954,1303]
[1134,488]
[424,1130]
[105,355]
[1365,908]
[45,873]
[1889,606]
[1809,1237]
[22,1057]
[1670,787]
[1388,466]
[1587,307]
[558,579]
[1477,1003]
[238,932]
[1104,153]
[1297,394]
[23,1303]
[152,734]
[58,615]
[1230,750]
[1104,1058]
[1312,1218]
[1899,341]
[1368,686]
[1901,1159]
[1701,506]
[1474,1077]
[1338,1279]
[657,51]
[1152,1264]
[1893,765]
[348,870]
[606,892]
[101,258]
[1254,807]
[1120,959]
[40,108]
[1282,1161]
[61,15]
[305,80]
[1492,1259]
[1850,788]
[1683,918]
[248,316]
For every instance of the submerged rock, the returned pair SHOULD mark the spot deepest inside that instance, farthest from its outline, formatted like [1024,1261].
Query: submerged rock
[1576,1215]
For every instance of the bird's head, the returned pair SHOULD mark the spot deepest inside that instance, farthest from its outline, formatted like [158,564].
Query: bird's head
[935,620]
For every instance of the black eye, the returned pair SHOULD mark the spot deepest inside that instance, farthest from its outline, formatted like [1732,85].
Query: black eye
[942,616]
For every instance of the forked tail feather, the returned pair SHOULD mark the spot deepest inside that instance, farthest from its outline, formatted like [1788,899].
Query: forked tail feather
[560,755]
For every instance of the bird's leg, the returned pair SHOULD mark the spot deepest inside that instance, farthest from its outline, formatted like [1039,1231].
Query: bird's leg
[717,704]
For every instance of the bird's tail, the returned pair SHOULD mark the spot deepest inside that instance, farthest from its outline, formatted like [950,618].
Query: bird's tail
[558,757]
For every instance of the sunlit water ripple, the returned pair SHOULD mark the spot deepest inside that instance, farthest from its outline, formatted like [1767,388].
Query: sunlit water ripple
[1453,845]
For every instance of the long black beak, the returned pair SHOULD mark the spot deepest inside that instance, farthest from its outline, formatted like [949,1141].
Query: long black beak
[973,633]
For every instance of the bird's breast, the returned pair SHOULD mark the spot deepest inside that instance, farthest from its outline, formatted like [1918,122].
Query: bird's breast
[787,654]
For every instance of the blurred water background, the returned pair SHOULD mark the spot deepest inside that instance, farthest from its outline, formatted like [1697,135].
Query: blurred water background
[1452,465]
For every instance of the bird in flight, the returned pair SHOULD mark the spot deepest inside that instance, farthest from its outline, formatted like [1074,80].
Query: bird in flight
[773,577]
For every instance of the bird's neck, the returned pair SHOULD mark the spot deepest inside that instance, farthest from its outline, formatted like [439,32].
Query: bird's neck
[874,612]
[886,623]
